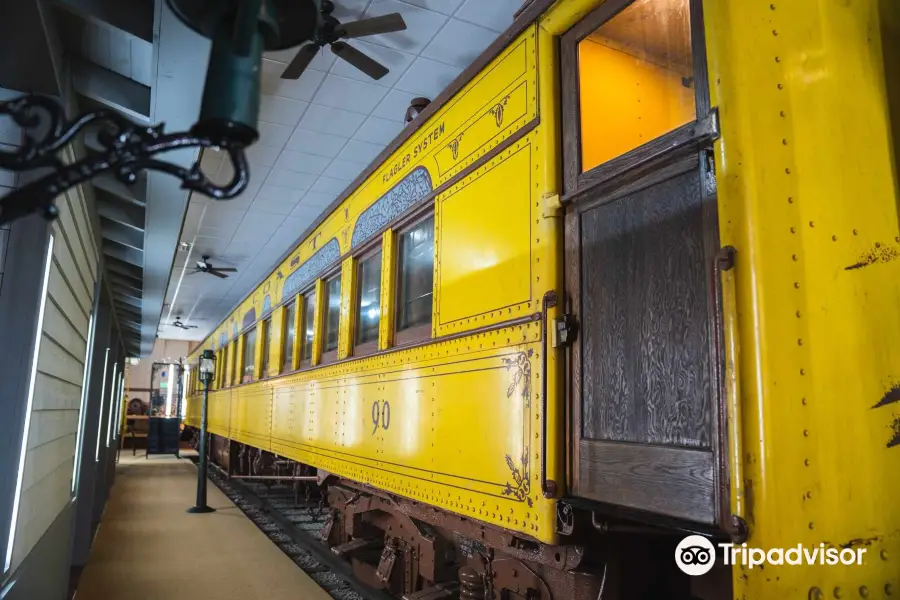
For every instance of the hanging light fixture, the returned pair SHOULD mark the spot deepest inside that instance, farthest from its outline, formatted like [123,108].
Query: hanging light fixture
[240,30]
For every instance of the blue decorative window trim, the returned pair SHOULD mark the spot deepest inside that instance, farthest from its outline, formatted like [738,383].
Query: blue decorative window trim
[223,339]
[267,305]
[305,273]
[234,331]
[249,318]
[408,192]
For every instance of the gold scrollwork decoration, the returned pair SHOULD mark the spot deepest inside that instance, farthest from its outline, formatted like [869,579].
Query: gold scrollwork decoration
[520,489]
[497,111]
[521,366]
[454,146]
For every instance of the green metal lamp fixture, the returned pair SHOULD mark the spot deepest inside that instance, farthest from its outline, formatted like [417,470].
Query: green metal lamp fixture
[240,30]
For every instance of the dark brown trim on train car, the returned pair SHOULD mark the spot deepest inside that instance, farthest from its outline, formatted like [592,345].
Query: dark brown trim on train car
[572,288]
[644,158]
[522,8]
[637,175]
[701,67]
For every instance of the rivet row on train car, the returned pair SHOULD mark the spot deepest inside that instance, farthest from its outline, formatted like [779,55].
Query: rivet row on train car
[615,317]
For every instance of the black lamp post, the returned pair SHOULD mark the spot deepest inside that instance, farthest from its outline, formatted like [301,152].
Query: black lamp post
[206,373]
[240,30]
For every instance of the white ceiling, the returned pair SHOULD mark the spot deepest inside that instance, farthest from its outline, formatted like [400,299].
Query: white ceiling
[316,135]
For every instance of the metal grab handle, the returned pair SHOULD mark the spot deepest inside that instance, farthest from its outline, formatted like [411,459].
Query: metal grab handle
[728,391]
[549,487]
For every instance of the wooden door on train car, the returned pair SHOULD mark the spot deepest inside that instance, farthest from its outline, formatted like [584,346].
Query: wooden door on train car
[646,430]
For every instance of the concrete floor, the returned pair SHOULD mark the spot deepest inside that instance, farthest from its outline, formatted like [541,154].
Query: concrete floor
[149,548]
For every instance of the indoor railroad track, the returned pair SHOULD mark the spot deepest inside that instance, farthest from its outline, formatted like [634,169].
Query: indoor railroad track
[293,524]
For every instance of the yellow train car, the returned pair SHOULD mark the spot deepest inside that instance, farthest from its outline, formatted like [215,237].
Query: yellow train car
[633,276]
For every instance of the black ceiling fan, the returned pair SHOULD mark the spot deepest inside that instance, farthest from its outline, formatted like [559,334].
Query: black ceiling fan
[330,31]
[204,266]
[181,325]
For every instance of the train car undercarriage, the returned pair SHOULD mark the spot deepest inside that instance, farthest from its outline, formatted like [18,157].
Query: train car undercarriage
[415,551]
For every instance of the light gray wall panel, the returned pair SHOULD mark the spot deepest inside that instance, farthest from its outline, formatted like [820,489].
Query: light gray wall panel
[55,361]
[41,504]
[51,393]
[55,416]
[50,425]
[75,238]
[62,253]
[63,331]
[89,242]
[63,296]
[44,575]
[43,460]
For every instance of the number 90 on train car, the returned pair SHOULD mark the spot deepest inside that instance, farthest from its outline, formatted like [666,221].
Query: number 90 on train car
[381,415]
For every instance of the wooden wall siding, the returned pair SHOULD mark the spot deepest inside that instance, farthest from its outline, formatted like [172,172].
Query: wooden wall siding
[646,357]
[46,486]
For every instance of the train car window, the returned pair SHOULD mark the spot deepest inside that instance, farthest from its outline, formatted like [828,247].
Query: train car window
[308,327]
[249,354]
[290,333]
[267,347]
[332,318]
[219,376]
[635,79]
[235,378]
[368,303]
[415,278]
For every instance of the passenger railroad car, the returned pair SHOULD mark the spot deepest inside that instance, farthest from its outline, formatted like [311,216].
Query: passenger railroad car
[633,275]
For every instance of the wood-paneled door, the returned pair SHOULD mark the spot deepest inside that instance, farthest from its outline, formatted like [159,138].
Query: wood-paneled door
[642,264]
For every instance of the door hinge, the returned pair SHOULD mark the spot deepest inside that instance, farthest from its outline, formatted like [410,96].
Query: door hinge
[709,172]
[552,206]
[565,329]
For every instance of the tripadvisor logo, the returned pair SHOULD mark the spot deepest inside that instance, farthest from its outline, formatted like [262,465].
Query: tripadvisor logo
[696,555]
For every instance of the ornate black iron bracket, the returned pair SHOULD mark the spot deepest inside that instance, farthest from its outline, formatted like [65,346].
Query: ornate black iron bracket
[127,148]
